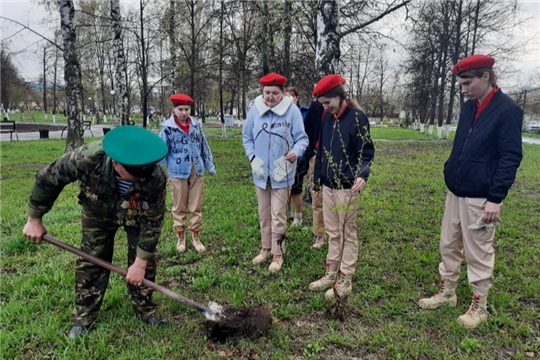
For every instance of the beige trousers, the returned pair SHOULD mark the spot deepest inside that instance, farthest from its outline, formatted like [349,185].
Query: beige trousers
[187,196]
[272,205]
[316,203]
[456,237]
[340,208]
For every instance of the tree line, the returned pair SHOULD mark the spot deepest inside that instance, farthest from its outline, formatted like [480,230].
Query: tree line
[114,57]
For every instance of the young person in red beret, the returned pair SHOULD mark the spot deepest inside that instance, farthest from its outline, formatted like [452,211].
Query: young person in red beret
[273,138]
[481,169]
[342,167]
[188,156]
[301,164]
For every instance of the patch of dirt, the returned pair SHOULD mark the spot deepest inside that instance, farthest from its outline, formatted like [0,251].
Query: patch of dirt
[251,323]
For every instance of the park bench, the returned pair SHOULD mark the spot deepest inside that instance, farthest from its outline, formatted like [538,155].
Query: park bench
[27,116]
[87,125]
[8,127]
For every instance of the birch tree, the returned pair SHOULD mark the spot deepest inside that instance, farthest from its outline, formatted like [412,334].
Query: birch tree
[330,30]
[119,63]
[72,76]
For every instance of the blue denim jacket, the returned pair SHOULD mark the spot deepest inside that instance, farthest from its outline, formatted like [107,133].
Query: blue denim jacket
[185,149]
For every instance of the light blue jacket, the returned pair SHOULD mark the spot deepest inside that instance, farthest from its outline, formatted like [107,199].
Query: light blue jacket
[185,149]
[269,134]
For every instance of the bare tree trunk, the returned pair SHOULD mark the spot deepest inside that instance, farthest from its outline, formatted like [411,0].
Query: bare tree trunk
[45,81]
[55,77]
[173,45]
[445,44]
[120,63]
[144,68]
[265,34]
[287,39]
[221,59]
[72,76]
[328,38]
[475,29]
[192,59]
[455,55]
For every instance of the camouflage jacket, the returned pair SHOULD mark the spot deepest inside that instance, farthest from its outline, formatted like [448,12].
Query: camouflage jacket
[142,206]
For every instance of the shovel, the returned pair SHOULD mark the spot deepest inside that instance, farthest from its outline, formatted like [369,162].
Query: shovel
[213,312]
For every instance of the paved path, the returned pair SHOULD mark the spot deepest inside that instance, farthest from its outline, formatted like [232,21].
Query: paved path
[97,131]
[528,140]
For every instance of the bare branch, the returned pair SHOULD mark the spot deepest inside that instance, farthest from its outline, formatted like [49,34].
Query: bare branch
[35,32]
[375,19]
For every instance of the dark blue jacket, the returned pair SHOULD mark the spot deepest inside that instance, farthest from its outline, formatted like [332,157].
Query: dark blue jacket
[485,158]
[312,126]
[345,150]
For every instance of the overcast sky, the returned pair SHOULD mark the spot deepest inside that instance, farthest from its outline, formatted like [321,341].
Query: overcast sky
[27,57]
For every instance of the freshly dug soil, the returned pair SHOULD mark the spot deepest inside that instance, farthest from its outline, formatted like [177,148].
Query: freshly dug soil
[251,323]
[34,127]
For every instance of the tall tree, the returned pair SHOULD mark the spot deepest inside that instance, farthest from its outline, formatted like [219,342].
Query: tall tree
[330,30]
[72,75]
[120,63]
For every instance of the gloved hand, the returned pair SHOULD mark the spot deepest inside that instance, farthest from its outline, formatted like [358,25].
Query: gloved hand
[257,167]
[283,168]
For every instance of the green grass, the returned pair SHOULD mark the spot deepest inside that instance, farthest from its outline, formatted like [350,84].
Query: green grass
[399,225]
[531,134]
[397,133]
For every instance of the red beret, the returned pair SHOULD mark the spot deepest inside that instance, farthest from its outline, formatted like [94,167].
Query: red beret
[473,62]
[181,99]
[327,83]
[273,79]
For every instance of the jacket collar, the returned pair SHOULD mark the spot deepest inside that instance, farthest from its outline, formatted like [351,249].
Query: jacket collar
[171,123]
[280,109]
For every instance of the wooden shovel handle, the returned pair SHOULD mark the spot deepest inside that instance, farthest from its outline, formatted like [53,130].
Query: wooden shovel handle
[107,265]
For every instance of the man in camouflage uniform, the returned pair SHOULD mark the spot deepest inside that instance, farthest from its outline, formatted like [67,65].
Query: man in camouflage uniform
[120,185]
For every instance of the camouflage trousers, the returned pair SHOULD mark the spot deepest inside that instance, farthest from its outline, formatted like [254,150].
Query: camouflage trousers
[91,280]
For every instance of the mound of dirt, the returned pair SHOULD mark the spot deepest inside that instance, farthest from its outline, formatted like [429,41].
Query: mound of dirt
[251,323]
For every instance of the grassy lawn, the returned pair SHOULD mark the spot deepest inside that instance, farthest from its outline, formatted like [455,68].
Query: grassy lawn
[531,134]
[399,226]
